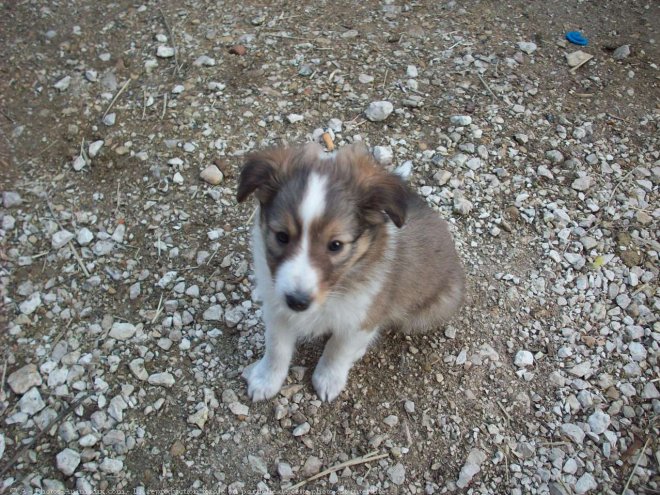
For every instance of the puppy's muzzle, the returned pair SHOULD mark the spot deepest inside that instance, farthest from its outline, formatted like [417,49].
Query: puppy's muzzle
[298,301]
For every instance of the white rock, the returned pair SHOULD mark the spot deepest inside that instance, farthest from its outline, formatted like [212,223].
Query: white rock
[137,368]
[94,148]
[582,183]
[165,51]
[622,52]
[118,234]
[523,359]
[84,236]
[383,154]
[23,379]
[294,118]
[79,163]
[167,279]
[63,84]
[301,429]
[411,71]
[527,46]
[103,247]
[460,120]
[31,402]
[2,445]
[585,484]
[214,313]
[239,409]
[378,110]
[581,369]
[598,422]
[122,331]
[67,461]
[164,379]
[650,392]
[365,78]
[31,304]
[199,417]
[110,119]
[472,466]
[204,60]
[335,125]
[212,175]
[60,238]
[637,351]
[177,178]
[574,432]
[461,205]
[397,474]
[112,466]
[11,199]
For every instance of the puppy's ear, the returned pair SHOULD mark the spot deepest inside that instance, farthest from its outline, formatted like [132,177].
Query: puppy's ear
[385,192]
[260,175]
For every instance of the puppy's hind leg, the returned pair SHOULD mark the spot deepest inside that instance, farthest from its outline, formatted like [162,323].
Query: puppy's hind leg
[340,353]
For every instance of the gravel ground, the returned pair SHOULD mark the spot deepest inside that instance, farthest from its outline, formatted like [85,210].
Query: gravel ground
[126,279]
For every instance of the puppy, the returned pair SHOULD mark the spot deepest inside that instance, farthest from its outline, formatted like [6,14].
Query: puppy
[341,247]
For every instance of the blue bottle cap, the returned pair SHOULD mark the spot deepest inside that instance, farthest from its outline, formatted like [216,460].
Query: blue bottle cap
[576,38]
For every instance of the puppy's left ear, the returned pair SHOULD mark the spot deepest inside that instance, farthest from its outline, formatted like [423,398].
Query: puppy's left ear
[386,192]
[260,175]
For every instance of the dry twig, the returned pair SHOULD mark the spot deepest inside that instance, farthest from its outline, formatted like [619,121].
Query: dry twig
[116,96]
[639,458]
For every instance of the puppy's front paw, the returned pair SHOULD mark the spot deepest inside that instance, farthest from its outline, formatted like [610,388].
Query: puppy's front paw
[263,381]
[329,381]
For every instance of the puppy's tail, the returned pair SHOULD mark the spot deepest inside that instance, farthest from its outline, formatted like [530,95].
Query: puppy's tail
[404,170]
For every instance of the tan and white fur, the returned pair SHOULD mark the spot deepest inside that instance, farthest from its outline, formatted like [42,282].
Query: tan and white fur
[341,247]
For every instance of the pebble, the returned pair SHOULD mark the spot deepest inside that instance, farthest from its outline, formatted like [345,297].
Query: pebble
[23,379]
[301,429]
[383,154]
[111,466]
[573,432]
[472,466]
[461,205]
[258,465]
[110,119]
[460,120]
[67,461]
[599,422]
[555,156]
[94,148]
[284,471]
[165,51]
[31,402]
[204,60]
[582,183]
[637,351]
[122,331]
[63,84]
[585,484]
[378,111]
[294,118]
[523,359]
[61,238]
[528,47]
[312,466]
[212,175]
[650,392]
[164,379]
[137,368]
[239,409]
[31,304]
[397,474]
[10,199]
[391,420]
[621,52]
[214,313]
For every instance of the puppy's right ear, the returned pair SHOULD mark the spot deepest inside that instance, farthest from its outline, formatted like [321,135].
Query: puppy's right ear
[259,176]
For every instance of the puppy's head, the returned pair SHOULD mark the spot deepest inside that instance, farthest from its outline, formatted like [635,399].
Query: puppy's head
[322,217]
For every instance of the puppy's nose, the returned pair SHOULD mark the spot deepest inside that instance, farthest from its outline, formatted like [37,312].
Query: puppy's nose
[298,301]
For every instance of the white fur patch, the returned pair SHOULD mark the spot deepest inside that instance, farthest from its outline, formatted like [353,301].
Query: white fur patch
[298,274]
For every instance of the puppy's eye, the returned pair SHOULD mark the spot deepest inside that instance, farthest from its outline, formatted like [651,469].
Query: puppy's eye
[335,246]
[282,237]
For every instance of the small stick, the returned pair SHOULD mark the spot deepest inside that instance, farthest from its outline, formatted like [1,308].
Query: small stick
[353,462]
[128,81]
[249,220]
[2,381]
[118,198]
[40,255]
[60,417]
[78,259]
[171,35]
[618,184]
[639,458]
[159,309]
[162,115]
[144,103]
[504,410]
[385,78]
[487,86]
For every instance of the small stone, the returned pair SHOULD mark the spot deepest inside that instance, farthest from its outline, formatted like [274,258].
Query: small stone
[582,183]
[112,466]
[177,449]
[365,78]
[527,46]
[335,125]
[84,236]
[31,402]
[11,199]
[555,156]
[442,177]
[523,359]
[67,461]
[637,351]
[31,304]
[164,379]
[383,154]
[199,417]
[284,470]
[294,118]
[79,163]
[574,432]
[312,466]
[598,422]
[409,406]
[585,484]
[63,84]
[24,379]
[204,60]
[397,474]
[212,175]
[165,51]
[137,368]
[460,120]
[239,50]
[650,392]
[214,313]
[177,178]
[622,52]
[110,119]
[461,205]
[94,148]
[2,445]
[301,429]
[472,466]
[378,111]
[450,332]
[391,420]
[582,369]
[239,409]
[61,238]
[258,465]
[122,331]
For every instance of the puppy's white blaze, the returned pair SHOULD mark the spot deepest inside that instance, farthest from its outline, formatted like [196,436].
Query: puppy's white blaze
[298,274]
